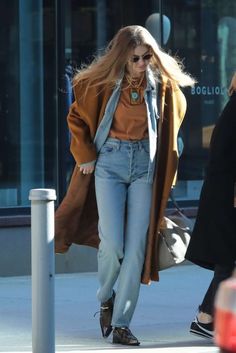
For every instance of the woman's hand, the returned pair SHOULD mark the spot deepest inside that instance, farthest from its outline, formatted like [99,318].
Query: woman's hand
[86,169]
[232,86]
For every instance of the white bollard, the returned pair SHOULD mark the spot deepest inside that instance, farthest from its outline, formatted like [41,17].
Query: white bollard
[43,270]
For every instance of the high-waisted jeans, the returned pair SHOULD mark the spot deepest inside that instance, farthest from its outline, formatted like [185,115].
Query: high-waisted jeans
[123,182]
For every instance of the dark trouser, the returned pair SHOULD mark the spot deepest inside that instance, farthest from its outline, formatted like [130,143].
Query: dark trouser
[220,274]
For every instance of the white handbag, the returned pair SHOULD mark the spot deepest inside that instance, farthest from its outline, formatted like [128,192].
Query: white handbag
[174,238]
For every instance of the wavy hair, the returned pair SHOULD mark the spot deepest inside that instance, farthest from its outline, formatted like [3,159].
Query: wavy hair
[108,67]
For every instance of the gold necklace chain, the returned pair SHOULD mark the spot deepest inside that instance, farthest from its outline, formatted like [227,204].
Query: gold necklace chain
[134,90]
[132,83]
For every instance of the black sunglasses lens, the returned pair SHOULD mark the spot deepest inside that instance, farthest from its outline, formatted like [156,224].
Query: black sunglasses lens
[147,57]
[135,59]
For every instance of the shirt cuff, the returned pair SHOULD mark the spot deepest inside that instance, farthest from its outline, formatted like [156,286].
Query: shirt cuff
[92,163]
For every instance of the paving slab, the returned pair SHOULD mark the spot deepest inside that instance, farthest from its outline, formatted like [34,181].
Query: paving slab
[161,321]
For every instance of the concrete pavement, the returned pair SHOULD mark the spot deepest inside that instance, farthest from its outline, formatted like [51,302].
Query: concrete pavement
[161,321]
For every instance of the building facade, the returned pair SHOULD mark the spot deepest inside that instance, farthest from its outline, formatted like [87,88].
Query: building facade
[44,41]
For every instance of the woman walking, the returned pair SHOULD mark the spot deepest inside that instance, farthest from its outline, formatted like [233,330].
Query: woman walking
[120,134]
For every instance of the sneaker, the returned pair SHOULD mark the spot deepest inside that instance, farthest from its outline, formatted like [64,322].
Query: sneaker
[203,330]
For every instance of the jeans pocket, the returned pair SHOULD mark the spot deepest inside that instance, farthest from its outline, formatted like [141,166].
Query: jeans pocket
[107,148]
[145,147]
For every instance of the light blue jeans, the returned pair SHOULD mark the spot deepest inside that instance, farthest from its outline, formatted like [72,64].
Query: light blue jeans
[123,182]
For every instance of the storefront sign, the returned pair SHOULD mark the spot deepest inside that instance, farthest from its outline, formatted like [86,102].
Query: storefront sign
[208,90]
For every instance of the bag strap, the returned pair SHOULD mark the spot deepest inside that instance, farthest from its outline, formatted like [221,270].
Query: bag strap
[173,200]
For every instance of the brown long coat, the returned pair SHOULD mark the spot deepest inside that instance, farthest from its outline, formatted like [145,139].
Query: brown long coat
[76,217]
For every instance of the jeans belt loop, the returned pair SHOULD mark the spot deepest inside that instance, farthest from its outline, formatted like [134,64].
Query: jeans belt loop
[116,144]
[140,145]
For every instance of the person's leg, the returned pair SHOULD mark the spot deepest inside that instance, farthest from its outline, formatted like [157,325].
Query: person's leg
[138,214]
[111,199]
[203,324]
[130,164]
[110,177]
[207,307]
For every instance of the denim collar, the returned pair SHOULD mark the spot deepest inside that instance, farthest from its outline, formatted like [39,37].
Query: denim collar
[151,82]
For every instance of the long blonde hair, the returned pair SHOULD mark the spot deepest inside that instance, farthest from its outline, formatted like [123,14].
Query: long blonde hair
[108,67]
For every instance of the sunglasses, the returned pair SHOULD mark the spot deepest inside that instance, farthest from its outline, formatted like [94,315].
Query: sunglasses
[144,57]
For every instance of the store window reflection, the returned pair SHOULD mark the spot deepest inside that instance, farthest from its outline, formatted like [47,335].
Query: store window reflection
[9,105]
[192,30]
[27,133]
[31,172]
[44,41]
[203,32]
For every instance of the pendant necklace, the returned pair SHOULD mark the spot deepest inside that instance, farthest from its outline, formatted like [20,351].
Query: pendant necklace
[135,90]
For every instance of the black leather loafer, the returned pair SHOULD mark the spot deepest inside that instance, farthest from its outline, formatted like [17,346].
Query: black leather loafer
[123,335]
[106,311]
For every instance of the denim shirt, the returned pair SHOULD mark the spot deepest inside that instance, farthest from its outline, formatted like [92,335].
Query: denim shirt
[150,97]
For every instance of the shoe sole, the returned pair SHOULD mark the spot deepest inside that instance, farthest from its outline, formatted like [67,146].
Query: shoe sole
[126,344]
[201,334]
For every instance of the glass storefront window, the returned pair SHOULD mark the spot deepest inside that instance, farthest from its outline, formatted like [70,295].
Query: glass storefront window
[27,100]
[202,32]
[44,41]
